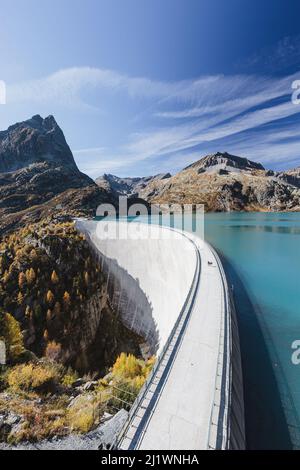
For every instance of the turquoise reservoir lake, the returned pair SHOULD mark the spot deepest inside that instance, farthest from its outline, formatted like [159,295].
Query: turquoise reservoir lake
[262,259]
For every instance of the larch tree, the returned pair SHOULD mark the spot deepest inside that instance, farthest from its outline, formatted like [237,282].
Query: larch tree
[54,278]
[67,299]
[49,315]
[21,280]
[46,335]
[20,298]
[30,275]
[12,334]
[50,297]
[28,312]
[6,277]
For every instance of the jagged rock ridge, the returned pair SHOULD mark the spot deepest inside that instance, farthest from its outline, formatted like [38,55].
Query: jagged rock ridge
[225,161]
[36,140]
[37,170]
[225,182]
[128,186]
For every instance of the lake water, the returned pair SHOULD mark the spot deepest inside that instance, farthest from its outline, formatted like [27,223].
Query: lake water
[262,259]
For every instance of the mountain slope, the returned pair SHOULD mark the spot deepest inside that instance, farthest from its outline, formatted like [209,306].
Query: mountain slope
[224,182]
[36,140]
[38,173]
[127,186]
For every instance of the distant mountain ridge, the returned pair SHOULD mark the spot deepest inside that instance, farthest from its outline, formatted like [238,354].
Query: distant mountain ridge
[224,182]
[128,186]
[226,161]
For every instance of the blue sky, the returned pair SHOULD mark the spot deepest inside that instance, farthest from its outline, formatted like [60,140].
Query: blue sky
[141,87]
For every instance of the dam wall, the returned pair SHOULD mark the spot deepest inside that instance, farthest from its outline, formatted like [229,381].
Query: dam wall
[173,292]
[148,277]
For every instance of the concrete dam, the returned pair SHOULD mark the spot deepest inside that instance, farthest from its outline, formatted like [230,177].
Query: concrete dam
[169,287]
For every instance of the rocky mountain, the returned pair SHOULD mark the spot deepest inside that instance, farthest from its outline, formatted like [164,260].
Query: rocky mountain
[36,140]
[38,173]
[127,186]
[291,177]
[224,182]
[226,162]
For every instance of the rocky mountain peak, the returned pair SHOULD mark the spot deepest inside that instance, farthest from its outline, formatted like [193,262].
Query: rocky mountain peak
[35,140]
[128,186]
[38,174]
[225,161]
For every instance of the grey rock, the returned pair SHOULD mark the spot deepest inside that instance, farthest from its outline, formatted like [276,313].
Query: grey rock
[104,436]
[222,171]
[89,386]
[34,141]
[128,186]
[106,416]
[78,383]
[12,419]
[8,423]
[291,177]
[108,377]
[75,401]
[226,159]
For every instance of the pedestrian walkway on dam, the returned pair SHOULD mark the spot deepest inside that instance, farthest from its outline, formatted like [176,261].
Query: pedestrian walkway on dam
[186,403]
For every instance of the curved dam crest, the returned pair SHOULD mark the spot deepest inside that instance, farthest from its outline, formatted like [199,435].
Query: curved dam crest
[170,288]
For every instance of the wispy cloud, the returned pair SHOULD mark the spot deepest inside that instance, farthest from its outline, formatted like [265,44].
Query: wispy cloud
[172,122]
[225,119]
[68,86]
[96,161]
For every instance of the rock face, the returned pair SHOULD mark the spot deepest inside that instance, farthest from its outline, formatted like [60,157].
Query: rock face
[291,177]
[224,182]
[98,336]
[36,140]
[38,173]
[100,438]
[128,186]
[225,161]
